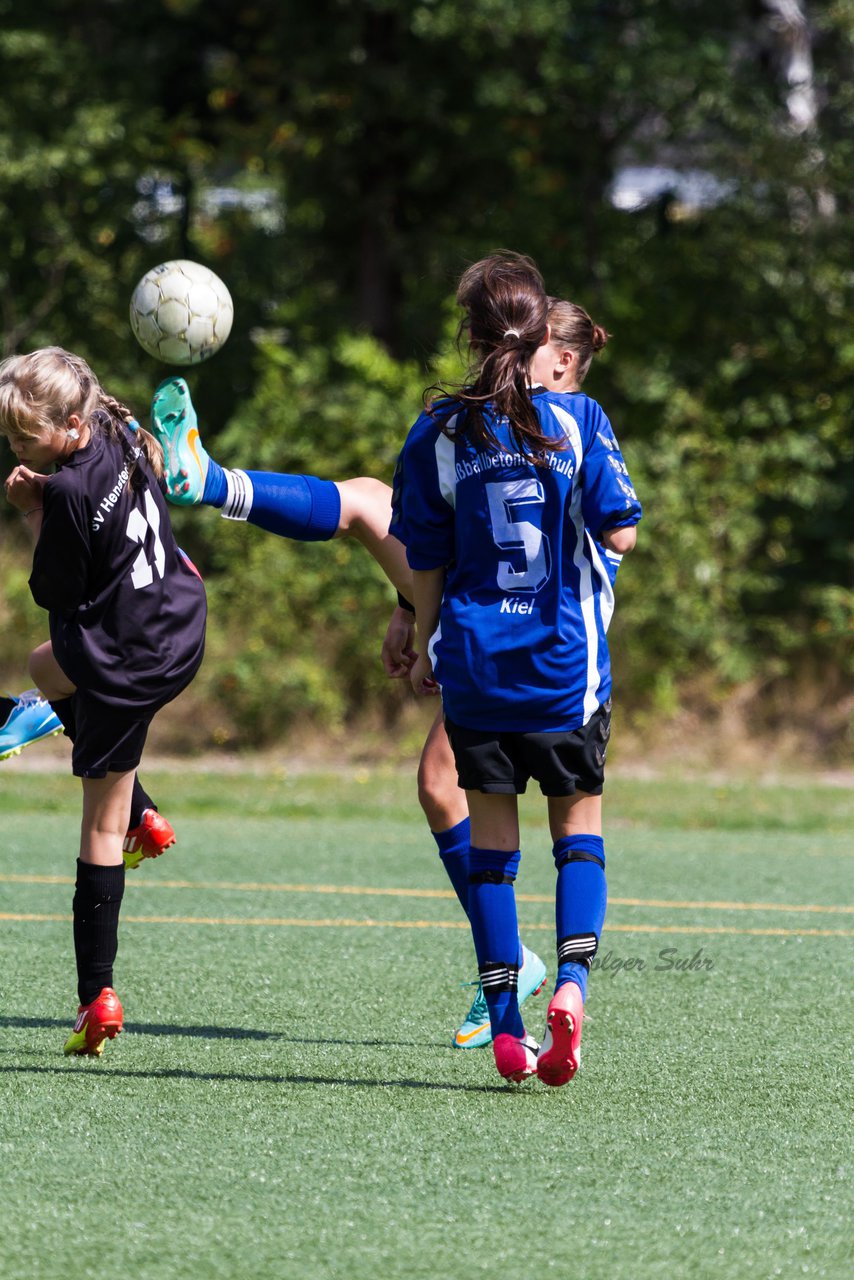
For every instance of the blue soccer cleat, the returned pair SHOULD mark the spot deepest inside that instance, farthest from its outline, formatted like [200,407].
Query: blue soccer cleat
[31,718]
[476,1031]
[175,427]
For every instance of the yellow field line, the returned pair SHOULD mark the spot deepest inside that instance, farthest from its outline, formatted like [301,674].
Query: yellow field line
[362,891]
[729,906]
[287,923]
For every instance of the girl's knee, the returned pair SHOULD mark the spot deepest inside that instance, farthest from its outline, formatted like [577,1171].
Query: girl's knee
[39,664]
[365,507]
[440,797]
[429,794]
[46,673]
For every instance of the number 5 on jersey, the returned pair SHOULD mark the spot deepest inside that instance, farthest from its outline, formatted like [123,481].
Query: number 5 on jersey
[506,501]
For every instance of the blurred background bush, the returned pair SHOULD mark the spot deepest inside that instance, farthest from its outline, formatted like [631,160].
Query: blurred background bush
[681,170]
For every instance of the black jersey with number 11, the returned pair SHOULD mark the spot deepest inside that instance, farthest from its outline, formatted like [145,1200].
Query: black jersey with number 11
[127,609]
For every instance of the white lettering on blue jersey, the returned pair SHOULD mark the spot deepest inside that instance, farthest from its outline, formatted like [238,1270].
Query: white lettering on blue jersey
[445,467]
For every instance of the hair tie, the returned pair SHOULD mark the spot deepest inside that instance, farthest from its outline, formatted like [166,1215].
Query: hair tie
[514,332]
[132,424]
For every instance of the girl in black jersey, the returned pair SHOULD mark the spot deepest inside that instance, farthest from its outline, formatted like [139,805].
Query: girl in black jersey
[127,621]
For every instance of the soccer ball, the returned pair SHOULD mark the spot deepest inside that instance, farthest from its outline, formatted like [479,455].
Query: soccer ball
[180,312]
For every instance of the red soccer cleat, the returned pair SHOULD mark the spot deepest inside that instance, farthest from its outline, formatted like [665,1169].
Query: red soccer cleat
[153,835]
[96,1022]
[560,1055]
[515,1057]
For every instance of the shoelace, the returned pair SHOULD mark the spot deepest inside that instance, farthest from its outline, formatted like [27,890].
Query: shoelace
[28,698]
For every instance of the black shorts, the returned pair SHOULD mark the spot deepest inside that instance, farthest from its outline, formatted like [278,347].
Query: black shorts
[562,763]
[107,739]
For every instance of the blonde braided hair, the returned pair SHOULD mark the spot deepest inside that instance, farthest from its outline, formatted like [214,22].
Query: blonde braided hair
[43,389]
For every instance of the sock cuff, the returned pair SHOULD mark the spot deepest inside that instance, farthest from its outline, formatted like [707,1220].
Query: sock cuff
[592,846]
[325,508]
[239,495]
[455,839]
[497,860]
[104,883]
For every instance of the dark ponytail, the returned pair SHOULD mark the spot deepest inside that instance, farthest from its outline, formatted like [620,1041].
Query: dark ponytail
[505,320]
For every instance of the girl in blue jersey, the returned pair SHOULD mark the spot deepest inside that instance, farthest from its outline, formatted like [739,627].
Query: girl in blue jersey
[308,509]
[127,622]
[506,491]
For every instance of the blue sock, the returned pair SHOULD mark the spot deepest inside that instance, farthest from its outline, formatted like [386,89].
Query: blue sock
[495,929]
[291,506]
[580,900]
[216,488]
[300,507]
[453,847]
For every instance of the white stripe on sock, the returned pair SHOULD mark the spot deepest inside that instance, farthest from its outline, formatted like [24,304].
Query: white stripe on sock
[238,501]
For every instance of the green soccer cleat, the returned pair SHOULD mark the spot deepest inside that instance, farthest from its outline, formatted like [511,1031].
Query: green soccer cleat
[476,1031]
[174,426]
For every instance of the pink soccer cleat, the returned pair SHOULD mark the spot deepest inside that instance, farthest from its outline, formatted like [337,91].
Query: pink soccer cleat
[515,1057]
[560,1055]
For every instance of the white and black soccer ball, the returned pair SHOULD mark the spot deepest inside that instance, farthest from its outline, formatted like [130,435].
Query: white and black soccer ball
[181,312]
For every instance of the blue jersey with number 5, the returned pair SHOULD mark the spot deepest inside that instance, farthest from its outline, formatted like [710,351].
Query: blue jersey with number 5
[528,596]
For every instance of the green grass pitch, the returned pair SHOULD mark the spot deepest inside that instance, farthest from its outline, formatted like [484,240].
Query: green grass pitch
[285,1103]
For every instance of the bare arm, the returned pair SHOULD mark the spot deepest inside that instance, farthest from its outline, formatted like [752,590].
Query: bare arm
[620,541]
[398,651]
[427,588]
[24,492]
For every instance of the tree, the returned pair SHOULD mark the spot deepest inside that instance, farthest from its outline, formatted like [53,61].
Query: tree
[338,164]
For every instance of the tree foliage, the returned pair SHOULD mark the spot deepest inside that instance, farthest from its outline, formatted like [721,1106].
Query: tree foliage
[338,164]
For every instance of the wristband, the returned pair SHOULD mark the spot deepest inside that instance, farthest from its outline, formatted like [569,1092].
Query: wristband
[404,603]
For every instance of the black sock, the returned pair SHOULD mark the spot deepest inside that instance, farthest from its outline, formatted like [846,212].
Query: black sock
[140,800]
[97,903]
[7,706]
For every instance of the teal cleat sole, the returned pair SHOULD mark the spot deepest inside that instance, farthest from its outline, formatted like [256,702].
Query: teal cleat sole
[175,427]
